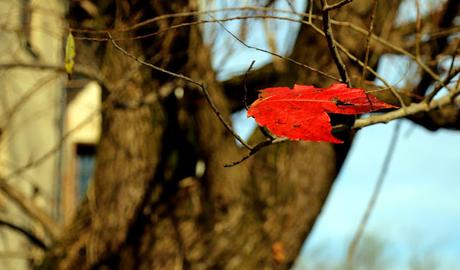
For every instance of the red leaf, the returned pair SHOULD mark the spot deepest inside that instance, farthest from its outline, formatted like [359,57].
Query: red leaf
[301,113]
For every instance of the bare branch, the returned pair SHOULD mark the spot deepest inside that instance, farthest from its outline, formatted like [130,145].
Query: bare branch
[341,47]
[368,41]
[79,70]
[245,101]
[256,149]
[30,92]
[327,8]
[371,70]
[30,208]
[33,239]
[190,80]
[275,54]
[454,72]
[372,120]
[52,151]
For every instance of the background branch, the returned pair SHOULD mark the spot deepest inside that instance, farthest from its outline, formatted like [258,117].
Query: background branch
[30,208]
[78,70]
[34,239]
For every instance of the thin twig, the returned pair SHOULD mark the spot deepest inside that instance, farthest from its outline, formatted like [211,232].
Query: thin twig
[341,47]
[418,25]
[275,54]
[266,133]
[190,80]
[36,87]
[79,70]
[256,149]
[351,56]
[33,239]
[271,140]
[375,194]
[245,100]
[24,203]
[368,46]
[177,15]
[454,72]
[336,5]
[291,6]
[368,41]
[331,43]
[310,11]
[52,151]
[370,69]
[391,46]
[454,55]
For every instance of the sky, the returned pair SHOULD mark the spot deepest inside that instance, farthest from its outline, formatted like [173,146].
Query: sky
[418,212]
[418,205]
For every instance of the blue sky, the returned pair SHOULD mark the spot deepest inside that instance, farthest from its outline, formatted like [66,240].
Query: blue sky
[418,210]
[418,206]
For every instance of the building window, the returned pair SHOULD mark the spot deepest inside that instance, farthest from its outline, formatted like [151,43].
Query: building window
[85,161]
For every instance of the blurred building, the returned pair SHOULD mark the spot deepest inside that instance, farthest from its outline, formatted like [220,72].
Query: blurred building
[48,128]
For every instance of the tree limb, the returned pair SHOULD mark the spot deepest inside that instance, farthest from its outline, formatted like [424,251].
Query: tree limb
[79,70]
[25,232]
[407,111]
[29,208]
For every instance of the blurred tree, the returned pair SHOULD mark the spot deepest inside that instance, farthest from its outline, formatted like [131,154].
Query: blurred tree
[371,255]
[161,197]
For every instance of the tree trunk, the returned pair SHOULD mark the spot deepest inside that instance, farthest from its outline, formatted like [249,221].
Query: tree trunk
[147,208]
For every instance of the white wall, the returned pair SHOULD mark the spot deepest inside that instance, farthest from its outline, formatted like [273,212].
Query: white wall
[33,129]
